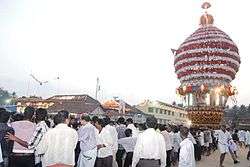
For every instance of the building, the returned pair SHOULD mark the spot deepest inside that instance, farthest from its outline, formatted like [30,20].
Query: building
[75,104]
[165,113]
[235,118]
[118,108]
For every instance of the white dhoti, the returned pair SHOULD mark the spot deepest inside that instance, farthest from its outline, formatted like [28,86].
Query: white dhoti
[87,158]
[223,148]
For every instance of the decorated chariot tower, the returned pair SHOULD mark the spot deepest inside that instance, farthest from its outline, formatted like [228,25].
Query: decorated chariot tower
[206,63]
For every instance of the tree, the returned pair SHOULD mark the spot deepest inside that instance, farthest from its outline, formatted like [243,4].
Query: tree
[6,97]
[248,109]
[242,110]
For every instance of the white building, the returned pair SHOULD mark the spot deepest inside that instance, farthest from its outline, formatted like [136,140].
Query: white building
[165,113]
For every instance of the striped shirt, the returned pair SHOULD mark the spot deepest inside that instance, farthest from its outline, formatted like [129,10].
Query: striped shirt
[41,129]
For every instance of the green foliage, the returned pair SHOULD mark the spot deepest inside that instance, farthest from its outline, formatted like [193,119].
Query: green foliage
[6,97]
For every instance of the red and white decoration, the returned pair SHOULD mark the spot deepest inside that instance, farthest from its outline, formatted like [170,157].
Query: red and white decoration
[208,56]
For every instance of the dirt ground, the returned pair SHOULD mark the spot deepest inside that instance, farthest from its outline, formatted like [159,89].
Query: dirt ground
[213,160]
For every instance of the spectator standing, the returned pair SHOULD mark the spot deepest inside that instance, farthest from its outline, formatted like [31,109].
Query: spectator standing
[248,144]
[207,141]
[121,127]
[104,146]
[58,144]
[187,158]
[88,143]
[176,145]
[114,135]
[24,129]
[128,144]
[6,145]
[131,126]
[235,136]
[201,140]
[168,144]
[242,136]
[40,116]
[150,148]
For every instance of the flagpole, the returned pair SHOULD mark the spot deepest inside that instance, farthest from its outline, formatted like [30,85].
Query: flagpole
[97,88]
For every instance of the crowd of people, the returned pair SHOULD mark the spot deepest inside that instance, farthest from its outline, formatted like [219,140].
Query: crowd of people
[32,139]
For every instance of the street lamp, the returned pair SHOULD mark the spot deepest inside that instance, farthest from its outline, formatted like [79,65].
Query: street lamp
[7,101]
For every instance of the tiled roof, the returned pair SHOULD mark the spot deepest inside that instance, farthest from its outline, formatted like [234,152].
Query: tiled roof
[73,103]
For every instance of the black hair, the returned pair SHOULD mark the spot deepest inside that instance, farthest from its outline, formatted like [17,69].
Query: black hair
[162,127]
[94,119]
[74,123]
[64,113]
[184,131]
[41,114]
[128,132]
[106,120]
[29,113]
[4,116]
[17,117]
[85,118]
[121,120]
[112,123]
[2,110]
[59,118]
[101,122]
[129,120]
[142,127]
[151,122]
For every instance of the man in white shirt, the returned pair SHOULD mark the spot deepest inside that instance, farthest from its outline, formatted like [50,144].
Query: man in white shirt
[128,144]
[223,138]
[130,125]
[176,145]
[41,128]
[168,143]
[150,148]
[88,143]
[104,146]
[187,158]
[114,135]
[242,136]
[58,144]
[201,140]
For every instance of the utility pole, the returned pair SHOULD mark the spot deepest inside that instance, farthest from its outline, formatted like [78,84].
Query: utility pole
[98,88]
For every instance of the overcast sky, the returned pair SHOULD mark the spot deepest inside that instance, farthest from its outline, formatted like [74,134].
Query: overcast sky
[126,43]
